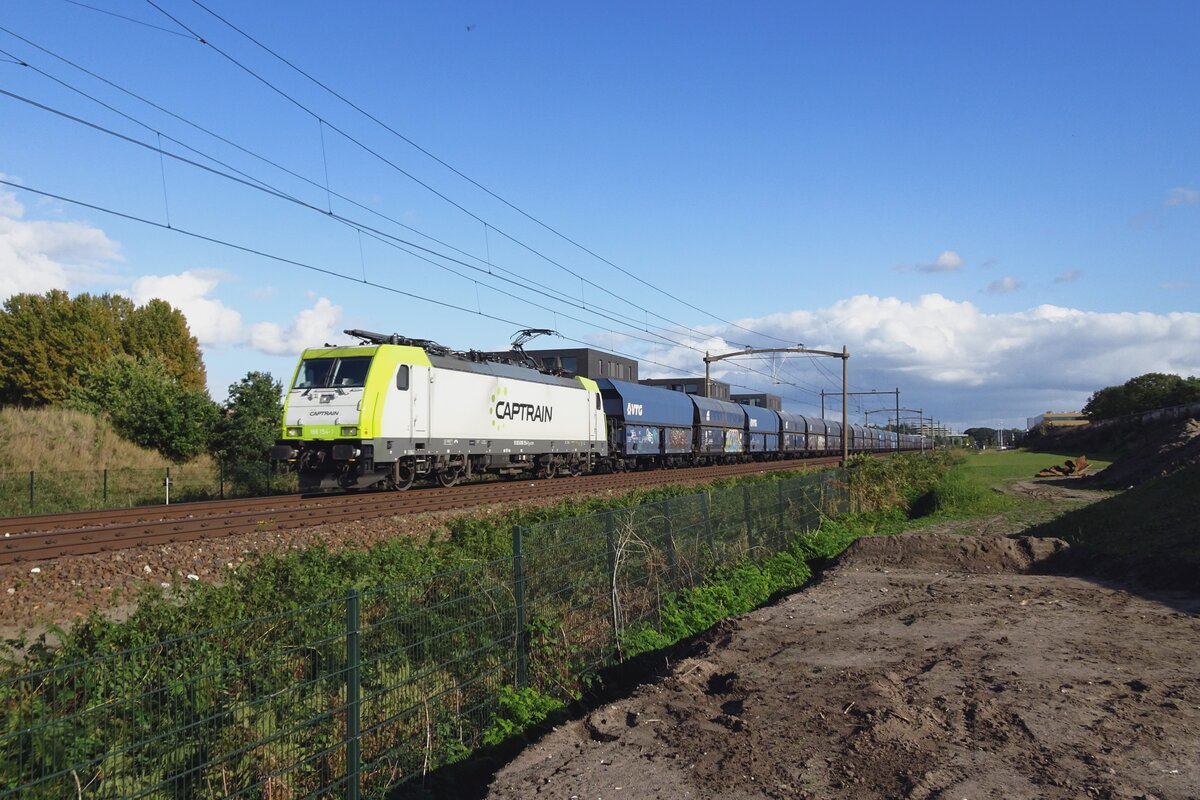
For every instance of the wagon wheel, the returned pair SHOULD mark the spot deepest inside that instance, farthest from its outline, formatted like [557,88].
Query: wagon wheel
[448,477]
[403,474]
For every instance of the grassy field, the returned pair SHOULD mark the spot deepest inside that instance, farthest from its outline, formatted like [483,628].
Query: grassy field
[1002,466]
[1150,533]
[978,488]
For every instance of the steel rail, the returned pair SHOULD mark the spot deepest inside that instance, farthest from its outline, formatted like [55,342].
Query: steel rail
[53,536]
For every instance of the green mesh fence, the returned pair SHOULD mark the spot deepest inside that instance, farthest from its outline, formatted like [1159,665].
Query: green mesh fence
[60,491]
[354,696]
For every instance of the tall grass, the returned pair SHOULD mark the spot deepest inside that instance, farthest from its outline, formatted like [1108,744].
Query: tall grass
[78,462]
[64,439]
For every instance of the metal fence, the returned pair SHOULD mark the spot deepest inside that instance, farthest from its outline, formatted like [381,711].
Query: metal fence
[353,696]
[58,491]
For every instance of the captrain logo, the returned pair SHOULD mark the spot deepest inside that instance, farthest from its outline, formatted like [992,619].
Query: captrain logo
[502,410]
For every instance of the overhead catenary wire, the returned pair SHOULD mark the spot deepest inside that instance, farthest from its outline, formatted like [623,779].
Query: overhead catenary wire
[258,185]
[315,184]
[253,182]
[208,43]
[258,252]
[126,18]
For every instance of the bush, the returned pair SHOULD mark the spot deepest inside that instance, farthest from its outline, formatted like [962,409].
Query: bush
[251,423]
[147,406]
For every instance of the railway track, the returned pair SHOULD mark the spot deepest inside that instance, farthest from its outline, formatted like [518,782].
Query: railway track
[42,537]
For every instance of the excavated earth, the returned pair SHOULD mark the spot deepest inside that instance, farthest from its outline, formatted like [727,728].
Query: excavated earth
[919,666]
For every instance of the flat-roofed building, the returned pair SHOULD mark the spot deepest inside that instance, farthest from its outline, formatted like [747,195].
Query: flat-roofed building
[583,362]
[761,400]
[1057,419]
[719,390]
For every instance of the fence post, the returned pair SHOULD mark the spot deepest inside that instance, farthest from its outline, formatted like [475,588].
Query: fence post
[708,531]
[610,530]
[518,548]
[30,491]
[268,465]
[353,696]
[221,477]
[782,513]
[105,501]
[748,516]
[669,545]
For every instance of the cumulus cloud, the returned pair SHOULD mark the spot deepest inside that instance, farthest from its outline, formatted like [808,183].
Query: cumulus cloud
[1004,285]
[1182,196]
[213,323]
[38,255]
[216,325]
[958,363]
[1070,276]
[312,325]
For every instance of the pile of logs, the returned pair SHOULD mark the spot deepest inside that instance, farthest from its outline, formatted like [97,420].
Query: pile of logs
[1070,469]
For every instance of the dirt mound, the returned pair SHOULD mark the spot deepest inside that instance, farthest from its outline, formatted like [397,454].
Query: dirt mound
[894,683]
[936,553]
[1158,450]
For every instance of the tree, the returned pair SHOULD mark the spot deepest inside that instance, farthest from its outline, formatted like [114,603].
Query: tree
[248,429]
[983,437]
[48,340]
[51,340]
[148,406]
[159,329]
[1143,393]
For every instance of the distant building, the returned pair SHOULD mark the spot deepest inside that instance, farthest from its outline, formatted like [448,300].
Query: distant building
[719,390]
[1057,419]
[583,362]
[762,400]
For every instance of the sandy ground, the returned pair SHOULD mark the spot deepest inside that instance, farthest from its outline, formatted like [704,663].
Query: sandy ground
[921,666]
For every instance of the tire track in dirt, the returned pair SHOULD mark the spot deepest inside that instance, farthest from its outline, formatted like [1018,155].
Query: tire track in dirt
[919,667]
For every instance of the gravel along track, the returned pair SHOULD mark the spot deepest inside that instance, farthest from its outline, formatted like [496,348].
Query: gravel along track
[921,666]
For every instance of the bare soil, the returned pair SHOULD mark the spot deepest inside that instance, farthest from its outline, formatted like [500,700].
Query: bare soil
[920,666]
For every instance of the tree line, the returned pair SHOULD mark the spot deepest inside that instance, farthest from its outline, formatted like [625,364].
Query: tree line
[1143,393]
[140,367]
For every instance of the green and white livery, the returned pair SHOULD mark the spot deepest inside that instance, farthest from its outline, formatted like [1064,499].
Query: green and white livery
[397,410]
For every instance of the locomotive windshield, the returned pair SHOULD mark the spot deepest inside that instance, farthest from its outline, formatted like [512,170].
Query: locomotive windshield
[322,373]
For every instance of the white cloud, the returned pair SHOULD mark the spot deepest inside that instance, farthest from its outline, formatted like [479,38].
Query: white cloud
[1070,276]
[957,362]
[213,323]
[312,325]
[1182,196]
[948,261]
[37,256]
[1176,285]
[1004,285]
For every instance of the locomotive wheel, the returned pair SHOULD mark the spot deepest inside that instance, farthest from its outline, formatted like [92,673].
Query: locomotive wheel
[402,476]
[448,477]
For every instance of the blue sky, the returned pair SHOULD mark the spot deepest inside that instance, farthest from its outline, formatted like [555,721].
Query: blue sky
[996,207]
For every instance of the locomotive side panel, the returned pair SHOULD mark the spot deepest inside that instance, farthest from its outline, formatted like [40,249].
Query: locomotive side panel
[480,412]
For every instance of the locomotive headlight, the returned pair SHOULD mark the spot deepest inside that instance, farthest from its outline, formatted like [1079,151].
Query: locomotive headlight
[350,430]
[295,431]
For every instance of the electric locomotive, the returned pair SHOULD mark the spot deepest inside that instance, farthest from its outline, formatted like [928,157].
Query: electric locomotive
[393,410]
